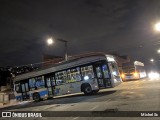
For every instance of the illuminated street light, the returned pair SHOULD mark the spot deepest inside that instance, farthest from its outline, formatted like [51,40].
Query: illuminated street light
[158,50]
[152,60]
[51,41]
[157,26]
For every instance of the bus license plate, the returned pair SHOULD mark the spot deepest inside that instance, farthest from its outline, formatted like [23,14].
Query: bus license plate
[128,77]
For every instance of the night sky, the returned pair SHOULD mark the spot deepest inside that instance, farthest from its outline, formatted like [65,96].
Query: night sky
[112,26]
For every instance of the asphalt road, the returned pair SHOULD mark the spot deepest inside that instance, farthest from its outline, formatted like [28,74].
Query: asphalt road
[136,95]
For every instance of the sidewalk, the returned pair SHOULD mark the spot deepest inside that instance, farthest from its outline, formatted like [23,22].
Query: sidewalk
[12,102]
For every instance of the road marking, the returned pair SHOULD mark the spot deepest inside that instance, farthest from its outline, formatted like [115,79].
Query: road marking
[48,107]
[75,118]
[94,107]
[108,100]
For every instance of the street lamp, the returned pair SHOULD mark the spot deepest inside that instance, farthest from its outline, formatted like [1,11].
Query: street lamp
[157,26]
[152,60]
[51,41]
[158,50]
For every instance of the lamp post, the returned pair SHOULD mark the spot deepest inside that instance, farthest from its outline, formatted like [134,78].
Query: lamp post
[51,41]
[66,46]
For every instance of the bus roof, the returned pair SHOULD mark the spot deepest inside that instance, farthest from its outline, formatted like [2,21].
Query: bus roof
[132,64]
[138,63]
[64,65]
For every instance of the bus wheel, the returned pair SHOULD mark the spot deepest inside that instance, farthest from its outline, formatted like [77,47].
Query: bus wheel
[88,90]
[36,97]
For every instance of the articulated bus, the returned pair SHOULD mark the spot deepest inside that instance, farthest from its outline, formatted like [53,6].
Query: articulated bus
[86,74]
[133,70]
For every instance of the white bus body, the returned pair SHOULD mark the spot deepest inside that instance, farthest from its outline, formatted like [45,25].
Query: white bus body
[134,70]
[85,74]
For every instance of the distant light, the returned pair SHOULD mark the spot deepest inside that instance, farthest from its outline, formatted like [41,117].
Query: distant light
[157,26]
[50,41]
[152,60]
[158,50]
[153,75]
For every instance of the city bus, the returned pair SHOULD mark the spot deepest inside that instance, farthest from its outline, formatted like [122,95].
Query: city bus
[86,74]
[133,70]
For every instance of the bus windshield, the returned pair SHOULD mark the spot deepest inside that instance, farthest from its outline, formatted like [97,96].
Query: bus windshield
[129,70]
[115,69]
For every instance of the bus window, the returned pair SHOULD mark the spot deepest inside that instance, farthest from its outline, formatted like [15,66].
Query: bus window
[17,88]
[52,81]
[32,83]
[87,71]
[99,72]
[26,85]
[48,82]
[61,77]
[115,71]
[105,71]
[40,82]
[23,87]
[129,70]
[73,75]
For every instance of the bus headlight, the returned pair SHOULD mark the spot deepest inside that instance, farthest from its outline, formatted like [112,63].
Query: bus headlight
[122,75]
[135,74]
[86,78]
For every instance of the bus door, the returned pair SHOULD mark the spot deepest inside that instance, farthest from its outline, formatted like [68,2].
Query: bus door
[50,86]
[102,74]
[114,70]
[25,91]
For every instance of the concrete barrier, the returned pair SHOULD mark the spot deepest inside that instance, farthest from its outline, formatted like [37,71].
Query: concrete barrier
[4,98]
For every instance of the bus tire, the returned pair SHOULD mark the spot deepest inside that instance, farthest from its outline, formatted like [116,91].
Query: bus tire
[87,90]
[36,97]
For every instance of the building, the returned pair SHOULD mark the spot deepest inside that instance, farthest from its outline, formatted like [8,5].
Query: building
[5,79]
[50,59]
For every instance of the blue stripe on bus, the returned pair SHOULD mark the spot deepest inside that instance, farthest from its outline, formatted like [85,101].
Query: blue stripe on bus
[43,93]
[18,97]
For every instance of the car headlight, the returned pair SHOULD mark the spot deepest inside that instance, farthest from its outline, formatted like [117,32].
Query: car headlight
[153,75]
